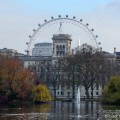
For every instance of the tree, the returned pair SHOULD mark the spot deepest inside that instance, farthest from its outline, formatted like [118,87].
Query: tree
[111,92]
[10,68]
[24,83]
[71,72]
[84,67]
[16,81]
[1,67]
[90,63]
[40,93]
[57,75]
[42,70]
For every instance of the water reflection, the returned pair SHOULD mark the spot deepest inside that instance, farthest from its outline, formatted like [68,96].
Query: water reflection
[55,111]
[43,108]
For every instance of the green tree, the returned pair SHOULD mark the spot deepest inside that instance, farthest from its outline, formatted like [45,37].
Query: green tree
[111,92]
[40,93]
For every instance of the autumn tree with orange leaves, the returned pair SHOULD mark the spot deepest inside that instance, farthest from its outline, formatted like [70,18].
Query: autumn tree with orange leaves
[16,81]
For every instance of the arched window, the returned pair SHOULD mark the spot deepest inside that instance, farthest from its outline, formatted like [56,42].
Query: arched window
[60,47]
[63,47]
[57,47]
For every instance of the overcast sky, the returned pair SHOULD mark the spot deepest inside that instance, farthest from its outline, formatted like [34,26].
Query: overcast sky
[19,17]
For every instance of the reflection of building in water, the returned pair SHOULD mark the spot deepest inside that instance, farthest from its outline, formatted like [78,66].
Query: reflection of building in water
[44,62]
[87,110]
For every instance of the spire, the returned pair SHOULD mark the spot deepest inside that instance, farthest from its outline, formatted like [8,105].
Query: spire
[78,43]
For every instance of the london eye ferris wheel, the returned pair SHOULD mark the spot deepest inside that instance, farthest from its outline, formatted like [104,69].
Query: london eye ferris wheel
[79,32]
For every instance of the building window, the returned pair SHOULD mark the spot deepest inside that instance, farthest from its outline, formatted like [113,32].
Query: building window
[63,47]
[63,52]
[58,87]
[60,53]
[57,47]
[68,93]
[97,86]
[68,86]
[58,92]
[97,93]
[62,93]
[57,53]
[60,47]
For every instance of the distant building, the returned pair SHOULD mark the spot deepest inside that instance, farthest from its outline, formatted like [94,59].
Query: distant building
[10,52]
[34,60]
[112,57]
[50,53]
[42,49]
[117,57]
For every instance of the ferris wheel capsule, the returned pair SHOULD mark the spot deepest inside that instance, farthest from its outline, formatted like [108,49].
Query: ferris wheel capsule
[34,30]
[99,43]
[26,43]
[92,29]
[87,24]
[81,20]
[74,17]
[52,17]
[66,16]
[96,36]
[45,20]
[39,24]
[29,36]
[59,16]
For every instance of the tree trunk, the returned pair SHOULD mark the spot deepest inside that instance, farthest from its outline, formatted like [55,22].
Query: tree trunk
[73,88]
[54,89]
[92,91]
[87,92]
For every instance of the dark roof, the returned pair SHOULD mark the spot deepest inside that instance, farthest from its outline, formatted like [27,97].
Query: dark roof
[61,37]
[117,55]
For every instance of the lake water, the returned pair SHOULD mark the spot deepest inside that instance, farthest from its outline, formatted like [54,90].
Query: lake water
[59,111]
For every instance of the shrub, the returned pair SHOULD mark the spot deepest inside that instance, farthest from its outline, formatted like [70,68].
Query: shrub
[41,93]
[111,92]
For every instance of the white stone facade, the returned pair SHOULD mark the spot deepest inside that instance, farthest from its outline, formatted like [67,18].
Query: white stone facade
[67,92]
[61,45]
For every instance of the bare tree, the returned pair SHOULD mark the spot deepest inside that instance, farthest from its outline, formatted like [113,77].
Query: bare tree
[84,67]
[71,73]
